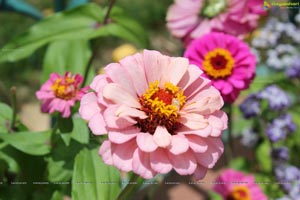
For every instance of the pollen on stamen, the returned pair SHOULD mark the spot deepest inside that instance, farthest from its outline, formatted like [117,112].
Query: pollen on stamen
[162,106]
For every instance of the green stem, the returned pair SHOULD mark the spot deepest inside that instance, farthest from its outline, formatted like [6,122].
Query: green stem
[14,107]
[127,191]
[96,48]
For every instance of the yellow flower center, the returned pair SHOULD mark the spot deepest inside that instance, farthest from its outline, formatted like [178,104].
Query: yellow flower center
[161,106]
[218,63]
[65,88]
[239,193]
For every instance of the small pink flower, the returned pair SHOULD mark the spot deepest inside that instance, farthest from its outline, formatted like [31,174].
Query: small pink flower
[235,185]
[225,60]
[60,93]
[159,114]
[190,19]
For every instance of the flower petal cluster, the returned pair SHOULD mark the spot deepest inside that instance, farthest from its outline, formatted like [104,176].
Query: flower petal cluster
[190,19]
[280,127]
[159,114]
[282,100]
[226,60]
[238,186]
[60,93]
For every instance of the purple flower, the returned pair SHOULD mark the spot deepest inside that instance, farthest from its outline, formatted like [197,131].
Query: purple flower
[276,97]
[249,138]
[287,175]
[279,127]
[280,154]
[294,70]
[250,106]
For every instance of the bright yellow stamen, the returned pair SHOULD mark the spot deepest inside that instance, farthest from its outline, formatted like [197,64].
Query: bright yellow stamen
[218,63]
[240,192]
[64,89]
[164,101]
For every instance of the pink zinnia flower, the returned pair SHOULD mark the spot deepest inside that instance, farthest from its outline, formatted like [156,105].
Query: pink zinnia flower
[159,114]
[190,19]
[235,185]
[225,60]
[60,93]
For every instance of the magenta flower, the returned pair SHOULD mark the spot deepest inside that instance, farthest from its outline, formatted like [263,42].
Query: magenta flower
[235,185]
[159,114]
[190,19]
[60,93]
[225,60]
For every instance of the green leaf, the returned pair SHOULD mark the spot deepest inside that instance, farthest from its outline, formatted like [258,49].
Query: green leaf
[61,161]
[65,125]
[80,132]
[11,163]
[70,55]
[240,164]
[57,170]
[57,196]
[33,143]
[5,117]
[132,26]
[215,196]
[263,156]
[83,22]
[76,24]
[92,179]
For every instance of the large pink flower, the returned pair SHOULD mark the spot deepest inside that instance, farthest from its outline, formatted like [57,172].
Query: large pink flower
[226,60]
[159,114]
[190,19]
[235,185]
[60,93]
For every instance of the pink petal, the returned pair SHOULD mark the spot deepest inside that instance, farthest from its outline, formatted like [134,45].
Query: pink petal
[136,73]
[97,124]
[193,73]
[123,154]
[162,137]
[178,67]
[122,136]
[179,144]
[160,162]
[185,164]
[200,172]
[119,75]
[88,106]
[98,83]
[125,111]
[145,142]
[209,158]
[114,121]
[118,95]
[196,143]
[193,121]
[105,152]
[141,164]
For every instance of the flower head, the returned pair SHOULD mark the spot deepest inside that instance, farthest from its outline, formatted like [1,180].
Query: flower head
[280,127]
[280,154]
[289,175]
[238,186]
[279,103]
[225,60]
[159,114]
[60,93]
[190,19]
[294,70]
[251,106]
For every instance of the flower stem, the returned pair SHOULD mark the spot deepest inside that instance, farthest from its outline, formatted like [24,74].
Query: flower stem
[14,107]
[95,49]
[130,187]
